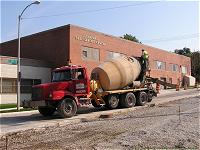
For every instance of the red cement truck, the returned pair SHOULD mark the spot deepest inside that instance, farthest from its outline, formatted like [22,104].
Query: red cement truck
[113,84]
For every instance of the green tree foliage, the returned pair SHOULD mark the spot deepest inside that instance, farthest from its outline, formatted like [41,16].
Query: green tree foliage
[195,65]
[130,38]
[185,51]
[195,60]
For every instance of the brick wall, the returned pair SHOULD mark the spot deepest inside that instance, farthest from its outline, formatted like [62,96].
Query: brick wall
[59,44]
[51,46]
[123,46]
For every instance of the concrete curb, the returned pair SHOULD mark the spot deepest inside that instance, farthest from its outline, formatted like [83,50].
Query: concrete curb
[7,109]
[94,116]
[20,112]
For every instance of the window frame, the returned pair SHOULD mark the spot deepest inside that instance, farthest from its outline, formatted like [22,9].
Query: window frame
[29,88]
[91,54]
[76,75]
[186,69]
[13,89]
[172,67]
[61,72]
[160,67]
[114,52]
[84,53]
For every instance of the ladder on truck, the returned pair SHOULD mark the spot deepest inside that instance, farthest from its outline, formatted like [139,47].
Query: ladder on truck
[161,82]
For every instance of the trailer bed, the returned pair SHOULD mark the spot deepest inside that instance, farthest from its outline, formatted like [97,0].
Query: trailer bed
[122,91]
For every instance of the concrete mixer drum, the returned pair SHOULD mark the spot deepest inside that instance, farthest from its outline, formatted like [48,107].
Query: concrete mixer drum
[118,72]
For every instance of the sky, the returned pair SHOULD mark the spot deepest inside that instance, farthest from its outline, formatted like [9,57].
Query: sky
[163,24]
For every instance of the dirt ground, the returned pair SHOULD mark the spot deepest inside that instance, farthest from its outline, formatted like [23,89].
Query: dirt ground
[171,125]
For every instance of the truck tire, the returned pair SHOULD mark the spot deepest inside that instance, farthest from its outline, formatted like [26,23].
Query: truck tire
[67,108]
[150,96]
[127,100]
[95,104]
[112,101]
[142,99]
[46,110]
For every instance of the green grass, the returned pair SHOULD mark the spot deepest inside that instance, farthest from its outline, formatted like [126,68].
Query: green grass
[5,106]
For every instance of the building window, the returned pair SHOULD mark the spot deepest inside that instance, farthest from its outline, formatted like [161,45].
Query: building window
[9,85]
[26,84]
[36,81]
[184,69]
[85,54]
[111,55]
[78,74]
[90,53]
[160,65]
[174,67]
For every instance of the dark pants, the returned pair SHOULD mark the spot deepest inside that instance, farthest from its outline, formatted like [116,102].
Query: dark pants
[144,69]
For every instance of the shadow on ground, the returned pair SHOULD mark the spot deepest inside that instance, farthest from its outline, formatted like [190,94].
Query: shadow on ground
[23,119]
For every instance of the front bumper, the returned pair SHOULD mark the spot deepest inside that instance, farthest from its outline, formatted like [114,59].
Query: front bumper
[33,104]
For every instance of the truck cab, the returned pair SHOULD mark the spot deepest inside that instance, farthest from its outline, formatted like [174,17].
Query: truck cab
[63,93]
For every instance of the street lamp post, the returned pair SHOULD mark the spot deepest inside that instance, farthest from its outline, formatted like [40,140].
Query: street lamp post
[18,58]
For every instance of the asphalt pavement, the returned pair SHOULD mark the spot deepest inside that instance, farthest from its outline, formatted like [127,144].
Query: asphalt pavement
[173,125]
[13,122]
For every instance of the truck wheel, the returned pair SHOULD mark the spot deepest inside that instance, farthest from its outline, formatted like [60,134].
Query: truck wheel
[127,100]
[112,101]
[142,98]
[67,108]
[46,110]
[95,104]
[150,96]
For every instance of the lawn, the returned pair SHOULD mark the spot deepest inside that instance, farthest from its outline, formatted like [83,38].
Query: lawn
[5,106]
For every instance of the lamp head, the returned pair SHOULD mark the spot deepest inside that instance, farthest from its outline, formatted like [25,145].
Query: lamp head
[36,2]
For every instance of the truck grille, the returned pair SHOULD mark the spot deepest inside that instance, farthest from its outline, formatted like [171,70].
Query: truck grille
[36,94]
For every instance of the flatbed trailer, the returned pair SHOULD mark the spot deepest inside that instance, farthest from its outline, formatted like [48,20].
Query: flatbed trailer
[123,97]
[123,91]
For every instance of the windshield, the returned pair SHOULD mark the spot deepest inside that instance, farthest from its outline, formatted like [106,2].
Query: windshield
[64,75]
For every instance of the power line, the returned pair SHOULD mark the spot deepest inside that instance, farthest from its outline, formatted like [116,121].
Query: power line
[182,37]
[92,10]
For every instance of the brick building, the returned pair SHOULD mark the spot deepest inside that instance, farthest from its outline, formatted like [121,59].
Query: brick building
[90,48]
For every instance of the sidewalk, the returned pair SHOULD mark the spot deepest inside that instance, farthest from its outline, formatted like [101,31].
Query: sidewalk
[172,91]
[7,109]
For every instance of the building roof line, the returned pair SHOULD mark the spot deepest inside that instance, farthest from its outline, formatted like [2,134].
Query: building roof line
[71,25]
[126,40]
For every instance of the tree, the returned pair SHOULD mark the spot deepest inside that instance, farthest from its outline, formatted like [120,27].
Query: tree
[195,65]
[130,38]
[185,51]
[195,60]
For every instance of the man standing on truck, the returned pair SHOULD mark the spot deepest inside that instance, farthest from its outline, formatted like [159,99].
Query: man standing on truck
[144,65]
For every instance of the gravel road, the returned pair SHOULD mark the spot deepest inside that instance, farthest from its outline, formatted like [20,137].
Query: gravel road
[153,127]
